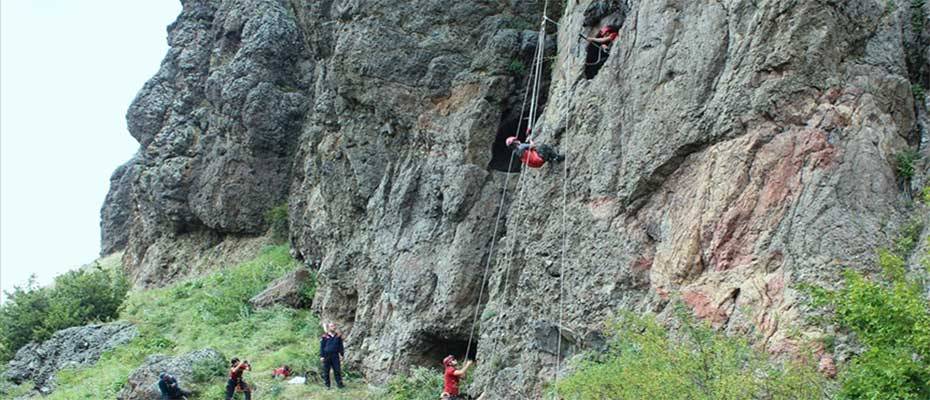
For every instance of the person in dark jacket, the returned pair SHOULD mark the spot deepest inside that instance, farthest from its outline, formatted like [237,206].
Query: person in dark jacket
[236,370]
[331,353]
[170,389]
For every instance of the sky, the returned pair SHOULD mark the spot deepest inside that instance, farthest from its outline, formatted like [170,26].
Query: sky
[68,71]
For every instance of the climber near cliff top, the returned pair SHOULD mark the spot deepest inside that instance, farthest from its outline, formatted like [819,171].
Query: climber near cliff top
[534,156]
[599,49]
[451,378]
[237,368]
[331,353]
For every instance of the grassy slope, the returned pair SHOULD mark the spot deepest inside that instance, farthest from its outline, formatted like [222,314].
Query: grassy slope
[212,311]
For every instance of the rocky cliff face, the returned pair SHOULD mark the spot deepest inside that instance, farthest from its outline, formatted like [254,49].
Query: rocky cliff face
[726,153]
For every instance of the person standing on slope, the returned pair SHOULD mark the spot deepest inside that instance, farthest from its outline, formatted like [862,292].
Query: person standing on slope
[236,370]
[331,353]
[452,377]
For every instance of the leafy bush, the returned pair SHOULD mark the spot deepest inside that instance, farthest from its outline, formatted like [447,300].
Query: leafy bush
[643,361]
[22,317]
[516,67]
[906,162]
[33,313]
[82,296]
[308,289]
[278,224]
[422,384]
[206,369]
[891,319]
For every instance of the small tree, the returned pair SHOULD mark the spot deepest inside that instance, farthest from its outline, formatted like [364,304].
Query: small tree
[891,319]
[22,318]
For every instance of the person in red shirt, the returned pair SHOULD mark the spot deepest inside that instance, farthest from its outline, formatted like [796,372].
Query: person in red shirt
[605,37]
[282,372]
[599,49]
[531,155]
[452,376]
[235,381]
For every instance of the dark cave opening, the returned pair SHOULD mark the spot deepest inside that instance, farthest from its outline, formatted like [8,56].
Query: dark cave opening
[433,347]
[500,155]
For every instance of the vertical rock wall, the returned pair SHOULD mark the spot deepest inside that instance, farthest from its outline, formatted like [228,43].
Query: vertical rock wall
[726,152]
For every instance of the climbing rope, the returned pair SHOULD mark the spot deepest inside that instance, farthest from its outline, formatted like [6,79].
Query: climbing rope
[558,352]
[520,203]
[500,212]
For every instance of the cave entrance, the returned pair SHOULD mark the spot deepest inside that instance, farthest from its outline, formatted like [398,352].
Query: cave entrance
[500,154]
[432,348]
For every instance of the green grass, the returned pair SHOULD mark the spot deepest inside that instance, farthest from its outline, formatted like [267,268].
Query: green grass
[645,361]
[213,312]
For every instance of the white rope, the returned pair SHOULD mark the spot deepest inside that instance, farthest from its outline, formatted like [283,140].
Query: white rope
[558,354]
[500,211]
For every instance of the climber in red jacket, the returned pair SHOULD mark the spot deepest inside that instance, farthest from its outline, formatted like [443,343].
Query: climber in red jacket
[534,156]
[599,49]
[605,37]
[235,381]
[451,378]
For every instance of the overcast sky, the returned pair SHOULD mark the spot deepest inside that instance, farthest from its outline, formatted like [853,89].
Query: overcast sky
[68,71]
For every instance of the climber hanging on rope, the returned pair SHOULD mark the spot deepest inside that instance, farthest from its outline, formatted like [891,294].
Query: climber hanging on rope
[531,154]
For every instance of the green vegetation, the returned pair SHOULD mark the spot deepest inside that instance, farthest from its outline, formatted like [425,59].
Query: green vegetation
[918,92]
[34,313]
[906,162]
[213,312]
[890,318]
[516,67]
[278,224]
[644,361]
[421,384]
[917,16]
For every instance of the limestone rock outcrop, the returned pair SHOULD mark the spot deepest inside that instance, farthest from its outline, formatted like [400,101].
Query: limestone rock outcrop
[288,290]
[725,153]
[142,384]
[72,347]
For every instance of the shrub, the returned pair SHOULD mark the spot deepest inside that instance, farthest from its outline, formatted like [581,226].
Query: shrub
[206,369]
[905,163]
[32,313]
[516,67]
[891,320]
[21,317]
[421,384]
[276,218]
[82,296]
[643,361]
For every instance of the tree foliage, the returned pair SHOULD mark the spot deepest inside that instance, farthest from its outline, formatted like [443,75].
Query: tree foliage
[33,313]
[890,318]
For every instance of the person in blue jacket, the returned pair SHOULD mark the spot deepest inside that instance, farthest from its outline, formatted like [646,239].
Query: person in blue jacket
[170,389]
[331,353]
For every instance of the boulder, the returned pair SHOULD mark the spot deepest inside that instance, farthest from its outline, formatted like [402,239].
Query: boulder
[142,383]
[72,347]
[287,290]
